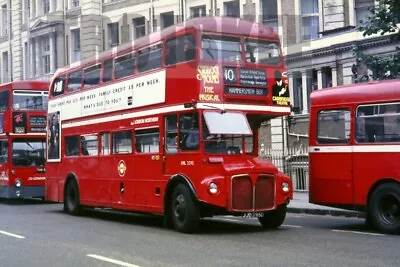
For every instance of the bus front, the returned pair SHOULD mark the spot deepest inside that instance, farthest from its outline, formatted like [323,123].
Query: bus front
[242,83]
[23,144]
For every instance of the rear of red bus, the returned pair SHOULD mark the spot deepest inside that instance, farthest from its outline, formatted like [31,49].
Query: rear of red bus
[23,139]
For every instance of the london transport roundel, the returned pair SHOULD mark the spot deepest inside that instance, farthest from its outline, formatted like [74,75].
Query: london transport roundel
[121,168]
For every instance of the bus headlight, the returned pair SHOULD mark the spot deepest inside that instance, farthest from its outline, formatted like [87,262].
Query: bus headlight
[213,188]
[18,183]
[285,187]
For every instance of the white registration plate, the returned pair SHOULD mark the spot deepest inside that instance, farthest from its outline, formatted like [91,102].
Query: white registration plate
[253,215]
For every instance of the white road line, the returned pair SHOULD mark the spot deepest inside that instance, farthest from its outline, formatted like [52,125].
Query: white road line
[292,226]
[357,232]
[120,263]
[11,234]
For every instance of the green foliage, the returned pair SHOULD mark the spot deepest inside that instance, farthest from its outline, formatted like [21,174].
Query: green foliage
[383,20]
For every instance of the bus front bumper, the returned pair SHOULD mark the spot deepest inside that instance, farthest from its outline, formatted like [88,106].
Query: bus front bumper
[22,192]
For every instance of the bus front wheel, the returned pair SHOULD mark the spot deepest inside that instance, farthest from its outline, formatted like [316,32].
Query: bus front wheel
[71,198]
[384,208]
[185,213]
[275,218]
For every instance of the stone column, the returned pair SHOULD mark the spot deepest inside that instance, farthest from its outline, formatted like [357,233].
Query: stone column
[32,58]
[334,76]
[52,41]
[37,58]
[319,78]
[305,91]
[38,4]
[291,88]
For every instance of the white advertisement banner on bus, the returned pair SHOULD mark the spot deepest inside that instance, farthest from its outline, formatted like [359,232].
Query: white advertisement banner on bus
[131,93]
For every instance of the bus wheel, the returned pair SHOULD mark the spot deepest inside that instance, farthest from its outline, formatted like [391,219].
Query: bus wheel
[71,198]
[273,219]
[185,214]
[384,208]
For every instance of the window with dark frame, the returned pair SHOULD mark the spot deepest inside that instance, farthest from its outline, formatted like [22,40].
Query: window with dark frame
[89,145]
[180,49]
[333,126]
[105,144]
[92,76]
[124,66]
[75,80]
[72,145]
[107,70]
[150,58]
[122,142]
[147,140]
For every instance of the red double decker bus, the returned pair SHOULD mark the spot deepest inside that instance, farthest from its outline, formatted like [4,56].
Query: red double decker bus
[170,124]
[354,145]
[23,113]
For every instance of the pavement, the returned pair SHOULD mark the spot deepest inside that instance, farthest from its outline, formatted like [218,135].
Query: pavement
[300,204]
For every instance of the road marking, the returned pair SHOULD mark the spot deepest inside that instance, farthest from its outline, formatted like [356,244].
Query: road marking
[120,263]
[357,232]
[11,234]
[292,226]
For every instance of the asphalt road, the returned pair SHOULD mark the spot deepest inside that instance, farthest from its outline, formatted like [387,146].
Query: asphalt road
[36,234]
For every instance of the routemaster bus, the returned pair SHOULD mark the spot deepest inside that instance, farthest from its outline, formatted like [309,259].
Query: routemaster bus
[355,149]
[23,109]
[169,124]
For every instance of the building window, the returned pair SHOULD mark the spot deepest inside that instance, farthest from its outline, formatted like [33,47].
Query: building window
[4,16]
[361,9]
[378,123]
[270,13]
[232,9]
[75,3]
[309,20]
[333,126]
[113,34]
[76,45]
[198,11]
[167,19]
[46,6]
[139,27]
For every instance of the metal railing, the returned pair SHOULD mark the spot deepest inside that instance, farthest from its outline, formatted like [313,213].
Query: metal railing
[292,162]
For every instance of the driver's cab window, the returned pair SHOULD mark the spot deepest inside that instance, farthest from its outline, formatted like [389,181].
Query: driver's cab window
[3,151]
[189,134]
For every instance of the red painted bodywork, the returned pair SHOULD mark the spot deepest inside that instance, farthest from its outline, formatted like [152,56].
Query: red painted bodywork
[30,176]
[98,178]
[346,179]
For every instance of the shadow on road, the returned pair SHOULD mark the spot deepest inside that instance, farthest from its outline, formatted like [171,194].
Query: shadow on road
[22,202]
[207,226]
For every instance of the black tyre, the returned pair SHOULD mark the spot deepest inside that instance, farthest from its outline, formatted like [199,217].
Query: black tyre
[384,208]
[274,219]
[71,198]
[185,214]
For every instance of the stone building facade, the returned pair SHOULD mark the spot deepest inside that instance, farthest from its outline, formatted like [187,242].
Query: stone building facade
[317,40]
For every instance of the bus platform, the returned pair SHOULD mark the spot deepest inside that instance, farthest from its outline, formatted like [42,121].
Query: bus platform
[300,204]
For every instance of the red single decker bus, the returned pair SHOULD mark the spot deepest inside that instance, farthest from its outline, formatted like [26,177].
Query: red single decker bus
[169,125]
[23,113]
[354,144]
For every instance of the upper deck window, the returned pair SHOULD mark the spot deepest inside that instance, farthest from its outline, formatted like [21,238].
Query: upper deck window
[180,49]
[75,80]
[92,76]
[221,48]
[30,100]
[150,58]
[124,66]
[4,98]
[262,52]
[58,86]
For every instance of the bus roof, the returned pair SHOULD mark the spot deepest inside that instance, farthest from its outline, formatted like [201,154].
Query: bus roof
[27,84]
[222,25]
[375,91]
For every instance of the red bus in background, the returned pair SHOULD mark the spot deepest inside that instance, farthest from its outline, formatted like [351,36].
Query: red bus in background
[23,109]
[355,149]
[170,124]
